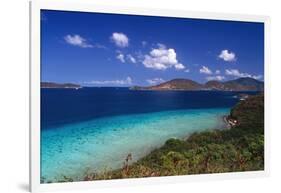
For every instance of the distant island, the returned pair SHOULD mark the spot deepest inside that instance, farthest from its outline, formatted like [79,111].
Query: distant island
[59,85]
[240,84]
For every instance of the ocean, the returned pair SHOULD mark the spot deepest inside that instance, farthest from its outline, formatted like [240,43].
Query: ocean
[94,129]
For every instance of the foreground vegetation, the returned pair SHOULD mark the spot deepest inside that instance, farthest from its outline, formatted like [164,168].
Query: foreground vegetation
[240,148]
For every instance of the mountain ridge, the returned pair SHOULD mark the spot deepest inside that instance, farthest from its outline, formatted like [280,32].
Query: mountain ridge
[240,84]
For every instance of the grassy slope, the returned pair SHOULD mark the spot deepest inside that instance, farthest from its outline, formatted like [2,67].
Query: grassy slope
[240,148]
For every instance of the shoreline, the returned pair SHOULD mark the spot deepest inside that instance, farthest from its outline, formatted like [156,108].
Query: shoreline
[221,125]
[223,118]
[224,125]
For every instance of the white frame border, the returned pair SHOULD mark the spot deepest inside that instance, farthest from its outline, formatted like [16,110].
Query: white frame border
[34,145]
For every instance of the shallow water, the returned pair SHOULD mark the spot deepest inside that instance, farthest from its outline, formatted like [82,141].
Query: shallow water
[103,143]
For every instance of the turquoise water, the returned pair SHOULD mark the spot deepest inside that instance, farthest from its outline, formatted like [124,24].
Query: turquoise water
[103,143]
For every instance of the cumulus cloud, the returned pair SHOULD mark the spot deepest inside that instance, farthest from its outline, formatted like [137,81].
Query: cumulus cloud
[120,39]
[155,80]
[162,58]
[121,57]
[218,77]
[187,70]
[227,56]
[205,70]
[237,73]
[131,58]
[77,40]
[127,81]
[218,72]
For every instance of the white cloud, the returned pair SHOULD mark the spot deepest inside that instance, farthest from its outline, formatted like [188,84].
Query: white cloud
[162,58]
[218,77]
[237,73]
[187,70]
[121,57]
[257,77]
[127,81]
[179,66]
[120,39]
[125,58]
[218,72]
[205,70]
[77,40]
[155,80]
[131,58]
[227,56]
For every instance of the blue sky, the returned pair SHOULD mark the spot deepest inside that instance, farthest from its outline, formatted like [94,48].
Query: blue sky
[121,50]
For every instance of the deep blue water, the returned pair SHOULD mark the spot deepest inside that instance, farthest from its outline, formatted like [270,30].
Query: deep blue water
[94,129]
[61,106]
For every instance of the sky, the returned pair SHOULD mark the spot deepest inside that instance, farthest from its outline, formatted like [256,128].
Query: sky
[95,49]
